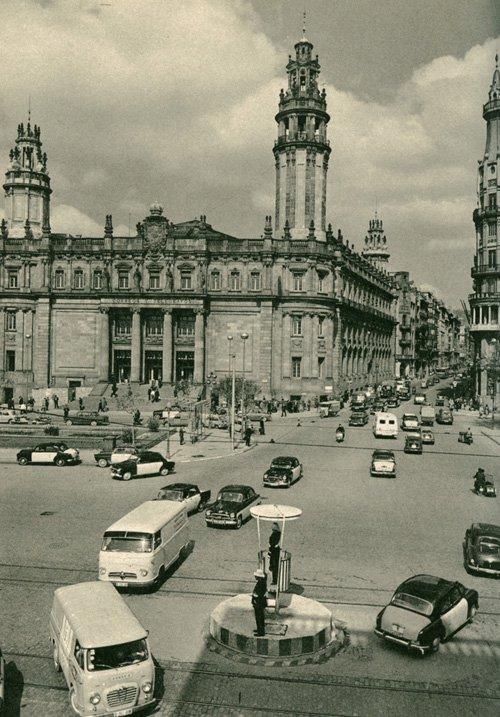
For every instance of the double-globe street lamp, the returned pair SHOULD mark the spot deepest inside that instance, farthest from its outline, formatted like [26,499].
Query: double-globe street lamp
[232,368]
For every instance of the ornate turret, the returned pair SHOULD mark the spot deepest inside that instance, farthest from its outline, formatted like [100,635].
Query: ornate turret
[302,150]
[376,248]
[27,186]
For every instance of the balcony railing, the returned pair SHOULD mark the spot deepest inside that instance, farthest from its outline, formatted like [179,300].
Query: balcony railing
[485,269]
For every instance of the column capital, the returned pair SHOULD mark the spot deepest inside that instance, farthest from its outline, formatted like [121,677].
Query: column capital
[200,311]
[167,311]
[104,309]
[136,309]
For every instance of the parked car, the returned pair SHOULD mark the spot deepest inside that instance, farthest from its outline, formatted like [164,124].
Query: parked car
[232,506]
[87,419]
[444,416]
[424,383]
[409,421]
[188,493]
[481,549]
[378,407]
[383,464]
[413,445]
[419,399]
[145,463]
[119,454]
[393,402]
[358,419]
[7,415]
[54,452]
[440,400]
[427,436]
[427,415]
[41,420]
[283,471]
[425,611]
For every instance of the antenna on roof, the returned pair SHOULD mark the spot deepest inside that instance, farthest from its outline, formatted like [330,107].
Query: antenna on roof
[29,108]
[129,224]
[304,25]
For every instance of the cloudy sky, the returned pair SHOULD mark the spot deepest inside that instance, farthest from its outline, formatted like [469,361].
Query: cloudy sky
[143,100]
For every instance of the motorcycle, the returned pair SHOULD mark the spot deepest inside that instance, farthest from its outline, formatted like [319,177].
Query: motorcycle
[464,437]
[339,436]
[486,488]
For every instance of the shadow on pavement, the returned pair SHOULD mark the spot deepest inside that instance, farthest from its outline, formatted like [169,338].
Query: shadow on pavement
[14,688]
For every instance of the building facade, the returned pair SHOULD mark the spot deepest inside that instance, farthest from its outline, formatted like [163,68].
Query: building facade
[78,311]
[485,299]
[407,304]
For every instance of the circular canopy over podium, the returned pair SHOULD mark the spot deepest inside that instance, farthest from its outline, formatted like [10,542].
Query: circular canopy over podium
[272,513]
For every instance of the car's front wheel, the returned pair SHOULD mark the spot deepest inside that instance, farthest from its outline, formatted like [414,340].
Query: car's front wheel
[239,522]
[55,659]
[127,475]
[69,422]
[23,461]
[164,471]
[472,611]
[93,423]
[60,462]
[102,463]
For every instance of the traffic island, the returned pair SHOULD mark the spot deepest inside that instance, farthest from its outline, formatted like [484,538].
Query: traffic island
[302,631]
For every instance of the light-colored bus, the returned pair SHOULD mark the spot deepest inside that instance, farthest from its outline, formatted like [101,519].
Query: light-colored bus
[102,650]
[138,548]
[385,425]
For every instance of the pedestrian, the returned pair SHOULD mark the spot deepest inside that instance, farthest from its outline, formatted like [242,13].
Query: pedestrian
[65,412]
[309,405]
[99,407]
[259,602]
[248,435]
[80,403]
[181,436]
[21,400]
[31,403]
[299,424]
[104,404]
[46,403]
[157,394]
[113,390]
[274,551]
[262,427]
[10,404]
[55,398]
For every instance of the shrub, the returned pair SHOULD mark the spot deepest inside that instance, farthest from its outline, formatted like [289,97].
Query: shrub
[51,430]
[127,436]
[153,424]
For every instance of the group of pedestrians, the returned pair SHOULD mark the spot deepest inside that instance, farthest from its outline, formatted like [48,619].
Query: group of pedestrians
[154,391]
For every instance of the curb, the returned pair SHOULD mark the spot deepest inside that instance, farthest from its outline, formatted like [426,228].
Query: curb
[237,452]
[322,655]
[491,437]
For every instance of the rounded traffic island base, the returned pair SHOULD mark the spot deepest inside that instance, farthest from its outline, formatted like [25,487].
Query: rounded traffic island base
[302,631]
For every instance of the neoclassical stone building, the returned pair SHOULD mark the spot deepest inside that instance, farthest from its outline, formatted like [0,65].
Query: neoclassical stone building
[80,310]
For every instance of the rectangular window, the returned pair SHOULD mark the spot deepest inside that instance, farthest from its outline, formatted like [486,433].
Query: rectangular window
[321,325]
[298,281]
[492,259]
[297,325]
[322,282]
[59,279]
[154,326]
[78,279]
[186,281]
[215,281]
[11,321]
[10,360]
[123,326]
[235,281]
[154,279]
[97,279]
[296,362]
[123,279]
[185,325]
[321,366]
[255,281]
[13,279]
[492,229]
[494,314]
[492,201]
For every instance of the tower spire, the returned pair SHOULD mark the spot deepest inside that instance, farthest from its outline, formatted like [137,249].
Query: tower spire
[304,26]
[376,248]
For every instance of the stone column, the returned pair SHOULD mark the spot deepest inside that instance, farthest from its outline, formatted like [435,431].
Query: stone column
[166,367]
[314,345]
[104,344]
[2,338]
[41,344]
[135,359]
[330,346]
[199,346]
[287,330]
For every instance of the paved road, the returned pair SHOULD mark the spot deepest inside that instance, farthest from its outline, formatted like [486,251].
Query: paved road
[359,537]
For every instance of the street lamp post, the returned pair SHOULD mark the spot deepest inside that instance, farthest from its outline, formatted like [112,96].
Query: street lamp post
[244,337]
[233,388]
[494,377]
[168,429]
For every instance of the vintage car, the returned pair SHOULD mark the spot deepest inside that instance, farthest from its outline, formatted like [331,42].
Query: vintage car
[444,416]
[54,452]
[358,419]
[383,464]
[187,493]
[7,415]
[440,400]
[427,436]
[413,445]
[232,506]
[257,416]
[481,548]
[145,463]
[425,611]
[404,393]
[20,419]
[119,454]
[409,421]
[282,472]
[419,399]
[393,402]
[378,407]
[41,420]
[87,419]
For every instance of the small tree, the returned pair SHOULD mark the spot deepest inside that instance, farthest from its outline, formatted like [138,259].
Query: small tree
[126,403]
[223,388]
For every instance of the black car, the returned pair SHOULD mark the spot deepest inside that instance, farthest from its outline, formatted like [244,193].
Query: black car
[283,471]
[481,548]
[146,463]
[425,611]
[55,453]
[444,416]
[87,419]
[393,402]
[413,445]
[232,506]
[358,419]
[188,493]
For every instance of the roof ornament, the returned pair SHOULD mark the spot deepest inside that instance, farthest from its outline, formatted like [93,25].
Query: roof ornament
[268,227]
[108,226]
[286,230]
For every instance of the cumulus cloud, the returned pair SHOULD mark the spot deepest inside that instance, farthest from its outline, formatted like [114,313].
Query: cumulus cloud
[175,102]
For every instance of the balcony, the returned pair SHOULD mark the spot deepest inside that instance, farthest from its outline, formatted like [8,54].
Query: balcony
[485,269]
[404,342]
[485,297]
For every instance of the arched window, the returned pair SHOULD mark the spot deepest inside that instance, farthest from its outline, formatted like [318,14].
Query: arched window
[215,280]
[59,279]
[78,279]
[235,280]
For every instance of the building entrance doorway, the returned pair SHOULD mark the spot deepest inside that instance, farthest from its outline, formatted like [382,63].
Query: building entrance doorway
[184,366]
[152,365]
[121,364]
[73,384]
[8,394]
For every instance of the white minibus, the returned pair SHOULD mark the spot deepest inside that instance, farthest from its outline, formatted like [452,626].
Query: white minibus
[385,425]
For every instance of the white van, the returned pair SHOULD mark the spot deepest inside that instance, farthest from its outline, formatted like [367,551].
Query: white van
[385,425]
[138,548]
[102,650]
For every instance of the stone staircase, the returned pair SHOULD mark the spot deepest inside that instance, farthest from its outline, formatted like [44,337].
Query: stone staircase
[134,394]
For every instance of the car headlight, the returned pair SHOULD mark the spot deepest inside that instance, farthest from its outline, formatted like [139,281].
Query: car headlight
[472,561]
[147,687]
[95,698]
[232,515]
[208,512]
[102,571]
[143,572]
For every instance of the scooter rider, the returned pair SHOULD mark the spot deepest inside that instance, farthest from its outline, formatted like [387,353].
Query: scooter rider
[479,479]
[340,430]
[468,435]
